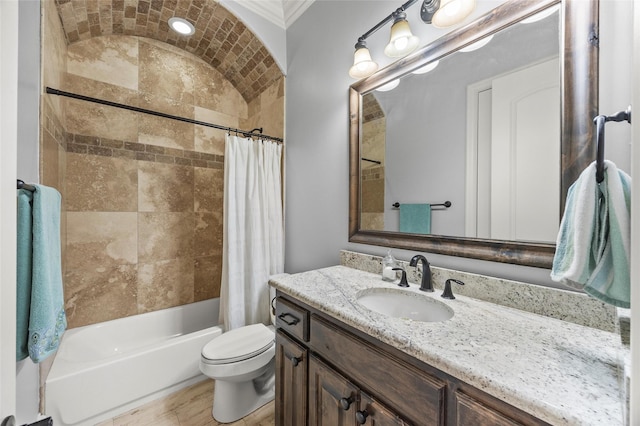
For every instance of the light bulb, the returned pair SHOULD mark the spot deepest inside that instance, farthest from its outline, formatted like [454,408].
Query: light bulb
[401,43]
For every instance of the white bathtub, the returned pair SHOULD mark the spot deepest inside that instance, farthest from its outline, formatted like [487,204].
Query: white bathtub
[106,369]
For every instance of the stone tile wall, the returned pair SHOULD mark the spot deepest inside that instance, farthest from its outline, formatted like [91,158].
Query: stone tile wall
[374,128]
[144,194]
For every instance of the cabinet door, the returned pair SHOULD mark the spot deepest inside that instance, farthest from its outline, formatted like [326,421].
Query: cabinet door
[333,400]
[291,382]
[372,413]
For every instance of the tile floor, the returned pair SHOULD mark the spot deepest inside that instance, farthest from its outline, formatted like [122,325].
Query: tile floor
[190,406]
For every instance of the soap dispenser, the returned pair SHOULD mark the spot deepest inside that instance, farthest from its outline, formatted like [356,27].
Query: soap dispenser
[388,264]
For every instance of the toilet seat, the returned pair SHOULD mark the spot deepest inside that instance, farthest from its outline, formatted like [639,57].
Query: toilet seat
[239,344]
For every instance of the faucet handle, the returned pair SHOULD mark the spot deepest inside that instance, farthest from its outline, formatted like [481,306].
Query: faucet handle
[403,280]
[447,293]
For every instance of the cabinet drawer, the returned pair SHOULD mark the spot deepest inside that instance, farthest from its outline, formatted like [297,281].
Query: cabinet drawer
[471,412]
[293,319]
[485,411]
[412,393]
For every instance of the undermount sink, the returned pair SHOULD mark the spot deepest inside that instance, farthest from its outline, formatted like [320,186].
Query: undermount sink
[404,304]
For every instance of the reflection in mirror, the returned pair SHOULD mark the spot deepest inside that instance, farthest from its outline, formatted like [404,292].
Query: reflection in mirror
[494,117]
[482,129]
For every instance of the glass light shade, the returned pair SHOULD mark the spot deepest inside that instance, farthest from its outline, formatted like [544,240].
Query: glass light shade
[181,26]
[426,68]
[452,12]
[402,41]
[363,66]
[389,86]
[477,45]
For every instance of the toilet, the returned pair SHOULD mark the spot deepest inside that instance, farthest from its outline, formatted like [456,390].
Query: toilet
[242,362]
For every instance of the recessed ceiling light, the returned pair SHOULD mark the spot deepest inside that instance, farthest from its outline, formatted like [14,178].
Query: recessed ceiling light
[181,26]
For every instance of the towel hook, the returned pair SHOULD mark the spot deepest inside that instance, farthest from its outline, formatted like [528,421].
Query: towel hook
[600,121]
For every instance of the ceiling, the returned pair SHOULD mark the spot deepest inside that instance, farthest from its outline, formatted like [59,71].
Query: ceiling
[280,12]
[221,40]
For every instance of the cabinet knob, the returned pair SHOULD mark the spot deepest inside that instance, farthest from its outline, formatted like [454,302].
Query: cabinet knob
[361,417]
[345,403]
[295,360]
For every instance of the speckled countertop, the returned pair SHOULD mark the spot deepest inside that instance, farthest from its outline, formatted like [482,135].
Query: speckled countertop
[560,372]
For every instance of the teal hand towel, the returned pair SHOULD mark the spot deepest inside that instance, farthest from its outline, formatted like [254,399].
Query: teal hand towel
[592,250]
[47,319]
[23,272]
[415,218]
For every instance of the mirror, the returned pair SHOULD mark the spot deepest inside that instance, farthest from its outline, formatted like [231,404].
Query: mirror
[522,102]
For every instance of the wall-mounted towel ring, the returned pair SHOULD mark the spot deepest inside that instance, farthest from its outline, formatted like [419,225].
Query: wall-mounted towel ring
[600,121]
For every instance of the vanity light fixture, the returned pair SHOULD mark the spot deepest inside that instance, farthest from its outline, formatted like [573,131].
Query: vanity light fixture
[452,12]
[402,41]
[363,66]
[181,26]
[440,13]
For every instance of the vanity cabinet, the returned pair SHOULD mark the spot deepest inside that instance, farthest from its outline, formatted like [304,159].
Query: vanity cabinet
[329,374]
[335,401]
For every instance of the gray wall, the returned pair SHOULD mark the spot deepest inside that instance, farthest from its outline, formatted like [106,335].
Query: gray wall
[319,54]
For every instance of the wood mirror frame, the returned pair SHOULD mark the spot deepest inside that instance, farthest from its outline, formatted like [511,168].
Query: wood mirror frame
[579,104]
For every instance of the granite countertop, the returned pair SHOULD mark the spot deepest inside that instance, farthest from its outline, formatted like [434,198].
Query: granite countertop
[560,372]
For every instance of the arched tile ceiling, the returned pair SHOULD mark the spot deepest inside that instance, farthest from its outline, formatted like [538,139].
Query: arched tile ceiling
[220,39]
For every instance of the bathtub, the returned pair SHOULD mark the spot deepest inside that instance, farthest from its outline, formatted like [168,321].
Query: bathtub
[106,369]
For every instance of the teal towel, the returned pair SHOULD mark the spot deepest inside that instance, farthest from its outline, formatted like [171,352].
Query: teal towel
[23,273]
[47,319]
[592,250]
[415,218]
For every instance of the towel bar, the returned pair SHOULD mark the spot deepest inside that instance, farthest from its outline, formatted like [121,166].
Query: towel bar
[22,185]
[446,204]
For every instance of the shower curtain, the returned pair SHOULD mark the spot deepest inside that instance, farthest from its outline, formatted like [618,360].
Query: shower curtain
[253,240]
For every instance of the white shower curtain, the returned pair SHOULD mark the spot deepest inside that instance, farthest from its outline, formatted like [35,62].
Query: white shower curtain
[253,241]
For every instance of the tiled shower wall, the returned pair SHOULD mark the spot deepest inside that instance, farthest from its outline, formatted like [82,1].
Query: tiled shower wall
[374,129]
[144,194]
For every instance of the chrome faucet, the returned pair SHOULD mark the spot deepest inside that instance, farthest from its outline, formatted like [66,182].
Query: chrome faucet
[425,284]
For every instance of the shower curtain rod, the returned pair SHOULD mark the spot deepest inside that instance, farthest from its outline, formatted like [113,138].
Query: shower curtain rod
[246,133]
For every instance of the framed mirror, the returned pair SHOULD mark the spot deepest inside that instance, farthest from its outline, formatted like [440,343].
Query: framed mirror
[473,150]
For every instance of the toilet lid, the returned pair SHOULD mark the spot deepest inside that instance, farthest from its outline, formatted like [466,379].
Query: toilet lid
[239,344]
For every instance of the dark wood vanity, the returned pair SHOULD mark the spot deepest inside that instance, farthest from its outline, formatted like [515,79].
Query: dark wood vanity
[328,373]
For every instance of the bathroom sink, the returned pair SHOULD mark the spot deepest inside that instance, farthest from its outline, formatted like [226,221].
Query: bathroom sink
[404,304]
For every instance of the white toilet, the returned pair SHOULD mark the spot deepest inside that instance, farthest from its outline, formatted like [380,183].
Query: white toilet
[242,362]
